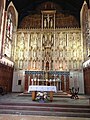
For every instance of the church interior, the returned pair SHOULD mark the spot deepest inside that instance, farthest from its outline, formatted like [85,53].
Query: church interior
[45,42]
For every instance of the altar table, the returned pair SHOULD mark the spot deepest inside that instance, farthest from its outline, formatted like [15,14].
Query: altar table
[36,88]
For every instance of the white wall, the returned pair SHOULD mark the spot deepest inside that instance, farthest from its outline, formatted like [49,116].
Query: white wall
[18,75]
[76,80]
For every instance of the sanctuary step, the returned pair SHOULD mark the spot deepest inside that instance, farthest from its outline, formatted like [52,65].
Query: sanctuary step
[45,109]
[57,94]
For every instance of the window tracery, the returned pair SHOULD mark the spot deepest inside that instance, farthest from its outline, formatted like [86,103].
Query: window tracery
[9,31]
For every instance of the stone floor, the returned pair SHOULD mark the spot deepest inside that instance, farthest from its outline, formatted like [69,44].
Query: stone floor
[30,117]
[14,98]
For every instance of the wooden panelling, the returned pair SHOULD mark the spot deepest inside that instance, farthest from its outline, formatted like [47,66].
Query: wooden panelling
[86,72]
[6,76]
[67,83]
[26,82]
[62,83]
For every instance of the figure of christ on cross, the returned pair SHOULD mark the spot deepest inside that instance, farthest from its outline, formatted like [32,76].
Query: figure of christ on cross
[48,21]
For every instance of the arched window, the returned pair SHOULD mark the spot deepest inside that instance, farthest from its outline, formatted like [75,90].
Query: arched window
[9,26]
[9,31]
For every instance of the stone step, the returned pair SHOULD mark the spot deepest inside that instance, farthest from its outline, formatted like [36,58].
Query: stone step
[45,109]
[58,94]
[45,113]
[46,105]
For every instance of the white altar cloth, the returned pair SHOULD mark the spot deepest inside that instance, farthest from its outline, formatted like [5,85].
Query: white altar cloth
[42,88]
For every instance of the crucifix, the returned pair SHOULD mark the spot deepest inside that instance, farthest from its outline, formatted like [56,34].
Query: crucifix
[48,19]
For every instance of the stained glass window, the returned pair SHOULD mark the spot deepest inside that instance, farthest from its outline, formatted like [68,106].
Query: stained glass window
[9,30]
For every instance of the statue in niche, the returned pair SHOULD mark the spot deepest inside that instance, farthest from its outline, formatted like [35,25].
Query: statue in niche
[43,39]
[45,23]
[47,40]
[48,43]
[47,54]
[7,43]
[22,41]
[51,23]
[22,37]
[52,39]
[34,53]
[21,64]
[34,40]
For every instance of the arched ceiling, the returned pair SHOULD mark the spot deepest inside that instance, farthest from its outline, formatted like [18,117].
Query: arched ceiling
[25,7]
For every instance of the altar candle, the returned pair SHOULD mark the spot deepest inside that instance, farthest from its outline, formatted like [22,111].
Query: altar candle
[38,81]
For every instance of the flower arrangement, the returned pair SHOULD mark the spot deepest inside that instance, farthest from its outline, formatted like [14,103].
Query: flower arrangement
[74,93]
[42,97]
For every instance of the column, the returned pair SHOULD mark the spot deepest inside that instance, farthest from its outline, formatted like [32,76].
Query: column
[28,51]
[15,45]
[57,85]
[54,21]
[62,82]
[67,83]
[42,20]
[54,41]
[60,85]
[26,82]
[30,79]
